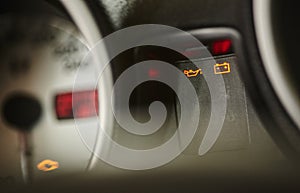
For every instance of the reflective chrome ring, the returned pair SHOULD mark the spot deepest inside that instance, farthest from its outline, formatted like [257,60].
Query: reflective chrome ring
[271,62]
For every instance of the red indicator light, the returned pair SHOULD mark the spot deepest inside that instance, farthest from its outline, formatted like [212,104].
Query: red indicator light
[152,73]
[77,104]
[220,47]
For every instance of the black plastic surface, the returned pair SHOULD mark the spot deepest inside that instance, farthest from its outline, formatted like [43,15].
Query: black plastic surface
[236,14]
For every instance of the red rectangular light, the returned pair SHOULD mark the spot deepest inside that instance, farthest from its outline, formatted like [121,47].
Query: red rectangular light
[220,47]
[80,104]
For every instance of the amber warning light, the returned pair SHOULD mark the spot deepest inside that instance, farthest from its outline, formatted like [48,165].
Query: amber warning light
[223,68]
[47,165]
[80,104]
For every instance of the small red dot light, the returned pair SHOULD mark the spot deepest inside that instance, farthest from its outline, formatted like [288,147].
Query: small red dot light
[152,73]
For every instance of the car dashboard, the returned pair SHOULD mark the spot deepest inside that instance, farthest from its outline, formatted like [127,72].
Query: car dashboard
[148,96]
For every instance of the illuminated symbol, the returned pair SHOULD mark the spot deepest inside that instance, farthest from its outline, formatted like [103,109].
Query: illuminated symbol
[221,47]
[153,73]
[222,68]
[47,165]
[192,73]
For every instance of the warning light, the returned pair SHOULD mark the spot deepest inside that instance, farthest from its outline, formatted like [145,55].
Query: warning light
[192,73]
[220,47]
[153,73]
[47,165]
[222,68]
[77,104]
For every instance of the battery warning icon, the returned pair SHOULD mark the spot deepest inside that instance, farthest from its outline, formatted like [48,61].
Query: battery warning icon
[223,68]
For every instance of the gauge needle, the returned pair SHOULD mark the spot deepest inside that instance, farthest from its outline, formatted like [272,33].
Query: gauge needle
[25,156]
[22,111]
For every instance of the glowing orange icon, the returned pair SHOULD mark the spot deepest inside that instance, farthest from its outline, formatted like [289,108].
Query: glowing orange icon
[192,73]
[47,165]
[222,68]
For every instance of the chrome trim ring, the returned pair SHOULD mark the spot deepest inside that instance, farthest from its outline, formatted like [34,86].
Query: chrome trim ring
[271,61]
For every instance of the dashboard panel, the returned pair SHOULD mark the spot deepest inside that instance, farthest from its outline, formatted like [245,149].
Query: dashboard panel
[140,96]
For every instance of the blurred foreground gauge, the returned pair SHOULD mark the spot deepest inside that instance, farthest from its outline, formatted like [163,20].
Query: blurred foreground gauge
[37,64]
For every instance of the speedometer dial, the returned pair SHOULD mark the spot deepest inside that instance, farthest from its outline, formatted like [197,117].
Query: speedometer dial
[40,62]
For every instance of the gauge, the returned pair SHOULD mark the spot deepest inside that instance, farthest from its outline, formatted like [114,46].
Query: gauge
[41,62]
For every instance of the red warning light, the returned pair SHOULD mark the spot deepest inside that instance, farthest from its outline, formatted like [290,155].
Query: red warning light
[220,47]
[152,73]
[77,104]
